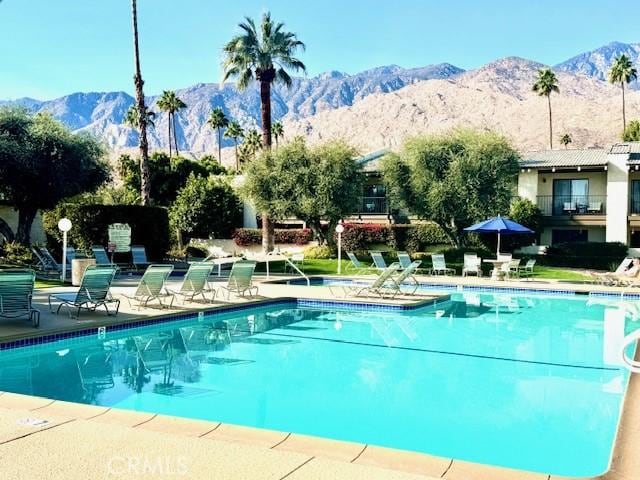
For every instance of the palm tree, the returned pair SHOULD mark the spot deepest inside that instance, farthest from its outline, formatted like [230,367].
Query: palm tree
[218,120]
[262,54]
[545,85]
[234,131]
[277,130]
[622,71]
[132,118]
[145,185]
[252,142]
[169,102]
[566,140]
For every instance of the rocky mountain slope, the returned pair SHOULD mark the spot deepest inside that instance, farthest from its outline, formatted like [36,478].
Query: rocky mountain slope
[379,107]
[497,96]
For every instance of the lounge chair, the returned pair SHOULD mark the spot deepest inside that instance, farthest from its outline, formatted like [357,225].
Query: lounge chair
[527,270]
[152,286]
[511,268]
[102,259]
[46,262]
[408,274]
[16,294]
[93,292]
[403,259]
[195,283]
[384,286]
[440,265]
[240,279]
[356,266]
[378,261]
[472,265]
[139,257]
[612,278]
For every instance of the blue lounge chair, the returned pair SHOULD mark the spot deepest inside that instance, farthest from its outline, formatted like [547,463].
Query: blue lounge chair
[16,294]
[93,292]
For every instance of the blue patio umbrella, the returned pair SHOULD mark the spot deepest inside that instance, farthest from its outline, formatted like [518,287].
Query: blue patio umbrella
[501,226]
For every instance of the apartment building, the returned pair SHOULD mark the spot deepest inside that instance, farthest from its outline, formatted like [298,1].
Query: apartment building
[585,195]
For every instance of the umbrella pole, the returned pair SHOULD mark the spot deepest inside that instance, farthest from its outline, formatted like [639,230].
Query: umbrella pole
[498,252]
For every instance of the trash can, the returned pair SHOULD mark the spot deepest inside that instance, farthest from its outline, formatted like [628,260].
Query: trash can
[78,266]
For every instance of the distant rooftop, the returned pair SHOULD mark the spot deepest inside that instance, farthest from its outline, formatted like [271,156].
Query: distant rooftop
[371,161]
[591,157]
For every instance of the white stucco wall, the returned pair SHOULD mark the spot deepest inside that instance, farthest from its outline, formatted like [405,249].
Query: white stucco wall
[9,215]
[617,198]
[597,181]
[528,185]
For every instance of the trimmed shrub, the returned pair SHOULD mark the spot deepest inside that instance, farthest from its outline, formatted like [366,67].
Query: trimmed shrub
[253,236]
[596,255]
[14,253]
[149,226]
[206,208]
[321,252]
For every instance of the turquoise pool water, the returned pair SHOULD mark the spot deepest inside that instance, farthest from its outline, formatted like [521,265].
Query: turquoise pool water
[516,381]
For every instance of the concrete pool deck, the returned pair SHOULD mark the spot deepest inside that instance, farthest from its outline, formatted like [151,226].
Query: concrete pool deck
[100,442]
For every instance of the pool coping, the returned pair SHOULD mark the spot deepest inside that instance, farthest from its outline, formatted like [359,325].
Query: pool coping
[371,455]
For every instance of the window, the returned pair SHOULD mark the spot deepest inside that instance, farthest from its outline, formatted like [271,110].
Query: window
[374,190]
[570,196]
[634,200]
[568,236]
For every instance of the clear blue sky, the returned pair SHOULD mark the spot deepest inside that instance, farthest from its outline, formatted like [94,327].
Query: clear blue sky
[50,48]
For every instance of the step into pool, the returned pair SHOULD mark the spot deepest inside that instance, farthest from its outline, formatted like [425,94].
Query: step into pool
[509,380]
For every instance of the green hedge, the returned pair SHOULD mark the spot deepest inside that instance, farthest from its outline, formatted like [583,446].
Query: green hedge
[253,236]
[595,255]
[149,226]
[412,238]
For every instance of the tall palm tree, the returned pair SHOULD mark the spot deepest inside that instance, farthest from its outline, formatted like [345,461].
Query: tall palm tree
[545,85]
[263,54]
[218,120]
[277,130]
[145,185]
[169,102]
[234,131]
[566,140]
[622,71]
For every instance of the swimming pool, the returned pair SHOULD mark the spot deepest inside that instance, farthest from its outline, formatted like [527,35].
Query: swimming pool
[516,381]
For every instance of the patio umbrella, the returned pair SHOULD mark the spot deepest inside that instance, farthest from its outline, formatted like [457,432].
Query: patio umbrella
[501,226]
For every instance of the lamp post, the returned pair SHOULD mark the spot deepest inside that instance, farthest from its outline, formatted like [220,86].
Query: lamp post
[339,230]
[64,225]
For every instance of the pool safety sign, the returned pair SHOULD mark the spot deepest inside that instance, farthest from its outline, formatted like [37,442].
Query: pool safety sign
[120,237]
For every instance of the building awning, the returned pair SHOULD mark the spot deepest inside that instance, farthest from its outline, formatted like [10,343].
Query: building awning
[546,159]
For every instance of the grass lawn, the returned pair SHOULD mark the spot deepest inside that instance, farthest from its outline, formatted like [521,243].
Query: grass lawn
[330,267]
[48,283]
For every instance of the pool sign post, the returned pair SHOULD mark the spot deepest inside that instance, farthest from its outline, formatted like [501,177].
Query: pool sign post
[64,225]
[339,230]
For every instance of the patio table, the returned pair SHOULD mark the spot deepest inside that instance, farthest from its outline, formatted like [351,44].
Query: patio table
[497,273]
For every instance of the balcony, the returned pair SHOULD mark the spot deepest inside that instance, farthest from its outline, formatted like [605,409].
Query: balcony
[373,206]
[570,205]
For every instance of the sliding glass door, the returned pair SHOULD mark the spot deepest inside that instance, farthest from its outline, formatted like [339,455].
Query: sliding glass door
[570,196]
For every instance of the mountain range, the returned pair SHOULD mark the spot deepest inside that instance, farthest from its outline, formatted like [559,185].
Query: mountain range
[379,107]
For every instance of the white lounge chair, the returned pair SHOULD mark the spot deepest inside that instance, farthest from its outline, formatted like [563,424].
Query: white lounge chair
[440,265]
[472,265]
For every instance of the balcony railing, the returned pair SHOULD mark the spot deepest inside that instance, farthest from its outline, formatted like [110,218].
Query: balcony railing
[373,205]
[567,205]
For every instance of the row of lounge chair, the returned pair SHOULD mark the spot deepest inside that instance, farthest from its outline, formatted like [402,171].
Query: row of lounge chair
[472,265]
[388,284]
[16,289]
[47,263]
